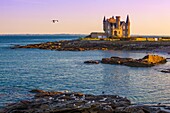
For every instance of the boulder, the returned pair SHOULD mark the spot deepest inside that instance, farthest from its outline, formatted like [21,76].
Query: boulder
[154,59]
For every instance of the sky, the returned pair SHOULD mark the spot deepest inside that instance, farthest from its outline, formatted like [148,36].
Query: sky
[147,17]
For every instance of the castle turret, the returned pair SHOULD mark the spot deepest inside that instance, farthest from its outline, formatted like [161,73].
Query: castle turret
[127,27]
[117,22]
[104,23]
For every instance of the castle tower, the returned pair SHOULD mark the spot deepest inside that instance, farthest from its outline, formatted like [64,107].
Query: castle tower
[117,22]
[127,27]
[104,23]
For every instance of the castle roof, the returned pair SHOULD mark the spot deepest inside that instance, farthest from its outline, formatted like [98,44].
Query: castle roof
[111,20]
[127,20]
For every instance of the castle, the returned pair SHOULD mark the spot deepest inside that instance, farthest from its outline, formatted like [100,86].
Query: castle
[113,27]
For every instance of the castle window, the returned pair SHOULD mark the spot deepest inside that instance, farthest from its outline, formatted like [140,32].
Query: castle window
[123,27]
[115,33]
[113,27]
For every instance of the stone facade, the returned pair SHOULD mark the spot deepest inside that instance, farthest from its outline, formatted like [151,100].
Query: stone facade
[113,27]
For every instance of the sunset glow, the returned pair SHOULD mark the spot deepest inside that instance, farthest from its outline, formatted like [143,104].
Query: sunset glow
[148,17]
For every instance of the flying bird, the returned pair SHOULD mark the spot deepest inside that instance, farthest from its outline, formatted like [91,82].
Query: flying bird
[54,21]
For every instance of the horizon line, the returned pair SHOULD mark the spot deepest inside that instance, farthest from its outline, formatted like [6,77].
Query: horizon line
[72,34]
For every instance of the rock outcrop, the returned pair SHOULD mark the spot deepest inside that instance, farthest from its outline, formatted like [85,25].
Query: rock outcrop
[147,61]
[92,62]
[68,102]
[84,45]
[72,102]
[166,71]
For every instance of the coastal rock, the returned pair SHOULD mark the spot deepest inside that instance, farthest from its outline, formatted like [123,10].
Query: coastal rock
[147,61]
[116,60]
[166,71]
[68,102]
[84,45]
[138,63]
[44,94]
[92,62]
[36,91]
[73,102]
[154,59]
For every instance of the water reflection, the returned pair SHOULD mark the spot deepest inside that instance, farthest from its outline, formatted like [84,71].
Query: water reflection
[144,85]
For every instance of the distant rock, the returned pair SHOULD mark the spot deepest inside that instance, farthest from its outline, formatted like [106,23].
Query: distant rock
[147,61]
[92,62]
[86,45]
[166,71]
[36,91]
[116,60]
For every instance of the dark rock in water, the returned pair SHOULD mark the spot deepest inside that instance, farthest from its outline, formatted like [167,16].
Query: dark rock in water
[92,62]
[166,71]
[116,60]
[36,91]
[136,63]
[71,102]
[15,46]
[147,61]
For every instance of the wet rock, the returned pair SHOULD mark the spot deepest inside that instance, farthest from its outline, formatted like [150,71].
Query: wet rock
[92,62]
[44,94]
[75,102]
[166,71]
[67,102]
[147,61]
[116,60]
[36,91]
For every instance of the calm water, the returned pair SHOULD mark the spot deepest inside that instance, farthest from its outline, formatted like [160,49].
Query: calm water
[24,69]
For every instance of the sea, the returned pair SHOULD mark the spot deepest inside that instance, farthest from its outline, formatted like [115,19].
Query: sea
[22,70]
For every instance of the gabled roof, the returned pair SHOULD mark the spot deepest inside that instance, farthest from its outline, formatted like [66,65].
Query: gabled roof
[122,22]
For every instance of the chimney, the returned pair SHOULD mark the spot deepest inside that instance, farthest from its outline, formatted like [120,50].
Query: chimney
[117,21]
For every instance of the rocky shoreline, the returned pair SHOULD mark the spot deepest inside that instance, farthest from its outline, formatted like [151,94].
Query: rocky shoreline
[74,102]
[146,61]
[83,45]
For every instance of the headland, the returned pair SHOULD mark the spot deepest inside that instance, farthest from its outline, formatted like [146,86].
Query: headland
[86,44]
